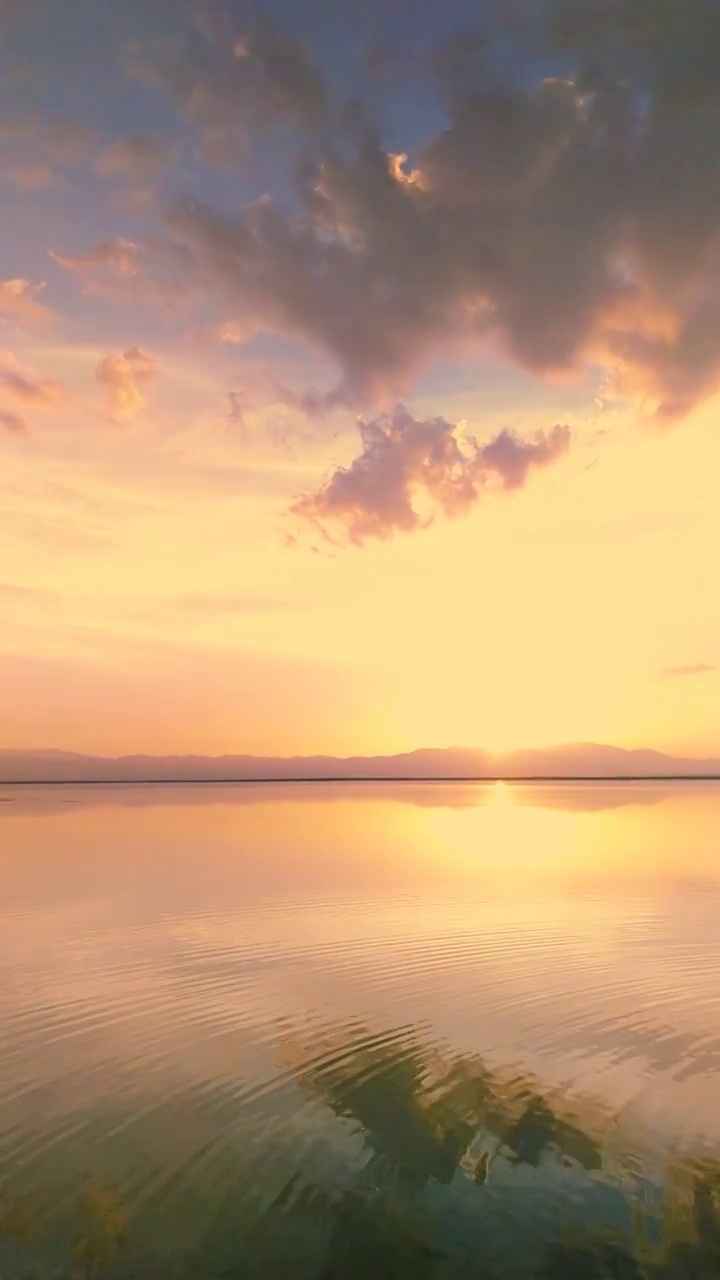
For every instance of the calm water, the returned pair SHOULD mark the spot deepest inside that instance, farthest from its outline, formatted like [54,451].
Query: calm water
[368,1030]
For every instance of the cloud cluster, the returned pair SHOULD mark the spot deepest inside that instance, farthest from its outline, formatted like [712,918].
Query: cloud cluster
[119,375]
[573,221]
[410,468]
[564,212]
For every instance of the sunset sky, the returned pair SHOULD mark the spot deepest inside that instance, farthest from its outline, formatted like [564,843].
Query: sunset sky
[359,375]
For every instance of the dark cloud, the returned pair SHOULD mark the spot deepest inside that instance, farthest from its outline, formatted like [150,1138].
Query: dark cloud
[541,221]
[565,221]
[695,669]
[668,48]
[407,465]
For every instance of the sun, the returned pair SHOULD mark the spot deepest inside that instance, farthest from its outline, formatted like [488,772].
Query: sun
[501,794]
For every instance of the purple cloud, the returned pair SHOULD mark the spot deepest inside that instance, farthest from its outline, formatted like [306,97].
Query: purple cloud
[406,461]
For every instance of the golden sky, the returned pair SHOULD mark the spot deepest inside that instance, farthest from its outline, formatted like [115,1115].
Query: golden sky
[201,551]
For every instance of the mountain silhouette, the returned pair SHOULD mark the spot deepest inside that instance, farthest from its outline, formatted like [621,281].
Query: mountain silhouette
[574,760]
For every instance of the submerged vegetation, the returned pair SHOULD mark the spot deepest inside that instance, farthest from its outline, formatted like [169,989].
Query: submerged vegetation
[455,1171]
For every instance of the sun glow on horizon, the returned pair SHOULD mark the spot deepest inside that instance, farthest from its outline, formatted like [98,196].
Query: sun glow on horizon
[218,454]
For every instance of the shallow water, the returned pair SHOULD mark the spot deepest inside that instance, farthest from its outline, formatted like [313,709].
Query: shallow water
[311,1030]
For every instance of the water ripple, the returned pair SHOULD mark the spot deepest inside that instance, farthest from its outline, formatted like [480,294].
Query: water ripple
[515,1050]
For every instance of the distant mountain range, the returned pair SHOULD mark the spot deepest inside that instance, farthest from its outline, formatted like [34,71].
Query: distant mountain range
[575,760]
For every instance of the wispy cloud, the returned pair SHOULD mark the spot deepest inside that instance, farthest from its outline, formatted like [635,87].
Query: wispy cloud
[20,383]
[219,605]
[118,257]
[13,423]
[123,269]
[236,411]
[694,669]
[120,375]
[15,593]
[19,302]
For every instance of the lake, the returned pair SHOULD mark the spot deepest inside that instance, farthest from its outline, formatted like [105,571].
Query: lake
[343,1030]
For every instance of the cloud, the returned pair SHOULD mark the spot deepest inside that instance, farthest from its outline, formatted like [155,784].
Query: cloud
[117,257]
[158,271]
[13,423]
[23,388]
[311,403]
[22,384]
[19,304]
[18,594]
[511,458]
[138,158]
[120,374]
[230,84]
[565,221]
[695,669]
[409,469]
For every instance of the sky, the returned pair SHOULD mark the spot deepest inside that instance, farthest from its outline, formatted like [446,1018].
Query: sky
[359,375]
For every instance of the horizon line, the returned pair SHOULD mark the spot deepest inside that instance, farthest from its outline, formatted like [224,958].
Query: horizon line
[206,782]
